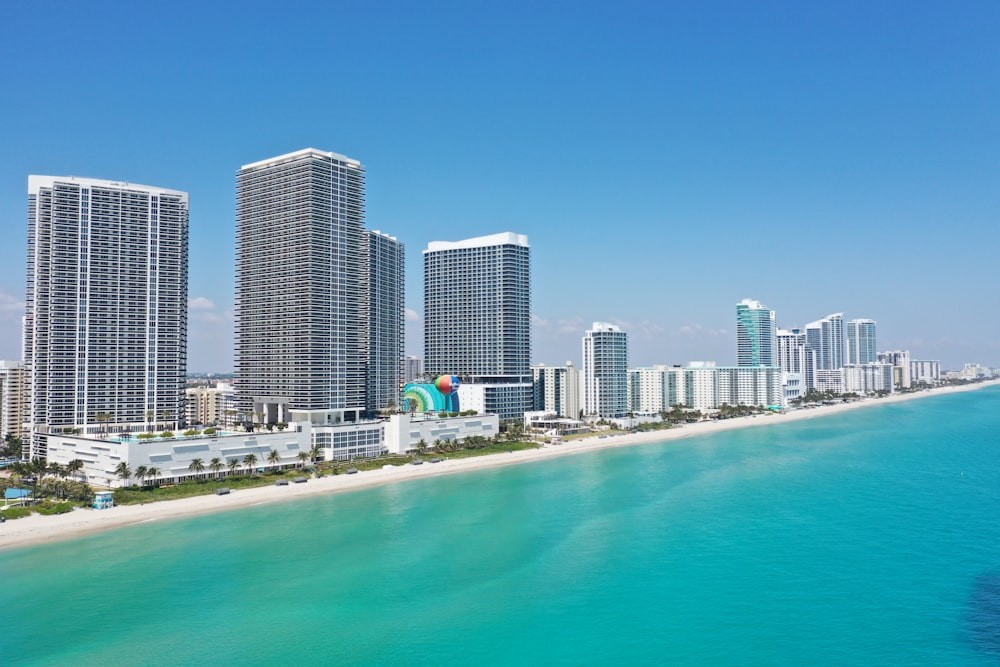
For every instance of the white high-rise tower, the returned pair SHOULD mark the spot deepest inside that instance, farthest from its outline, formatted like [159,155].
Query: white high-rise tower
[105,332]
[605,371]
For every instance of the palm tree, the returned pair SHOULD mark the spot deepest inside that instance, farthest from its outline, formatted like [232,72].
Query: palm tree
[216,465]
[274,458]
[140,474]
[250,460]
[197,466]
[314,453]
[124,472]
[149,417]
[167,414]
[103,417]
[233,464]
[303,457]
[152,473]
[74,466]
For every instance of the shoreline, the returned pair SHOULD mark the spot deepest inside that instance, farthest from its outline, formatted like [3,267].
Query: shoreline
[37,529]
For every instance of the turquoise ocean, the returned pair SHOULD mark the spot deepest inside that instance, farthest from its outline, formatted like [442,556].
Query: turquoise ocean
[870,537]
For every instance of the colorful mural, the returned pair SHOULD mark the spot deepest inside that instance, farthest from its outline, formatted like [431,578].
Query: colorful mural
[438,396]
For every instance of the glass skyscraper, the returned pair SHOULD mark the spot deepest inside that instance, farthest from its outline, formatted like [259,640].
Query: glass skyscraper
[861,344]
[756,341]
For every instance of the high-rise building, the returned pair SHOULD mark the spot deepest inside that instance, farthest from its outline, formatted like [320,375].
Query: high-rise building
[797,363]
[825,338]
[301,288]
[386,308]
[861,347]
[557,389]
[756,342]
[13,399]
[900,360]
[413,368]
[105,332]
[605,371]
[477,320]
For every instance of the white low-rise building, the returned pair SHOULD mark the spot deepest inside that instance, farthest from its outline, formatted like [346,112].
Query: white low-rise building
[925,371]
[868,378]
[173,456]
[403,433]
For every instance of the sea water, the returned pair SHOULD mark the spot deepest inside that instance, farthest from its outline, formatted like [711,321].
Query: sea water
[864,538]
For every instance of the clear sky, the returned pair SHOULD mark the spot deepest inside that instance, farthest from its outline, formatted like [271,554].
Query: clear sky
[665,159]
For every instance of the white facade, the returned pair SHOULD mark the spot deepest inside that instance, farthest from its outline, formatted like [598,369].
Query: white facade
[649,389]
[928,372]
[385,305]
[825,340]
[557,389]
[861,342]
[605,371]
[13,399]
[403,433]
[757,386]
[173,456]
[489,398]
[868,378]
[105,330]
[900,359]
[477,318]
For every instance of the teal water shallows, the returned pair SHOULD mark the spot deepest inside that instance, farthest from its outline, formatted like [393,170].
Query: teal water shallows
[867,538]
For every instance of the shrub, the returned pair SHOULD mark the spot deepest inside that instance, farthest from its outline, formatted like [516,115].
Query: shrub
[191,432]
[210,430]
[15,512]
[146,436]
[49,508]
[167,434]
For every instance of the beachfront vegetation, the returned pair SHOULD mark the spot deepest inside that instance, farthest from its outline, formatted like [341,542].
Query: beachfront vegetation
[49,484]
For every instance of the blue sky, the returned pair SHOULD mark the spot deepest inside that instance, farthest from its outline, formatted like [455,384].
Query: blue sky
[665,159]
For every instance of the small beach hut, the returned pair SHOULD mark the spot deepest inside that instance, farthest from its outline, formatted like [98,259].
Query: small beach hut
[104,500]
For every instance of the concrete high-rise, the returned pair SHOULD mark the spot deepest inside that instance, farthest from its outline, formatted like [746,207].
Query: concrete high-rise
[385,303]
[477,320]
[557,389]
[105,333]
[605,371]
[861,347]
[825,338]
[756,342]
[300,280]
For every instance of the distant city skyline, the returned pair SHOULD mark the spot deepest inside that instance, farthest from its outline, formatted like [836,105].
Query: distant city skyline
[666,162]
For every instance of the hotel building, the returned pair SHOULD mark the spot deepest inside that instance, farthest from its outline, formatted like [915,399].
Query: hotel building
[861,344]
[13,399]
[477,320]
[605,371]
[825,338]
[105,333]
[557,390]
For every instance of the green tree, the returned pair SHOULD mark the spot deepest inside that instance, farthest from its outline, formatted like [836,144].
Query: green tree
[233,464]
[105,418]
[152,473]
[303,457]
[216,465]
[314,453]
[197,466]
[74,466]
[274,458]
[250,460]
[124,472]
[141,473]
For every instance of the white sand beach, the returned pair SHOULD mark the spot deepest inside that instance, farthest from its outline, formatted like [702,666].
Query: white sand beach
[38,529]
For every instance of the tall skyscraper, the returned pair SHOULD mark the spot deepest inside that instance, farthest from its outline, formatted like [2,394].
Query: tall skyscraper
[861,347]
[605,371]
[386,307]
[477,320]
[105,334]
[301,288]
[825,338]
[755,334]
